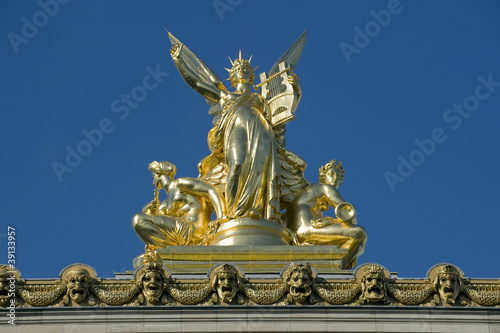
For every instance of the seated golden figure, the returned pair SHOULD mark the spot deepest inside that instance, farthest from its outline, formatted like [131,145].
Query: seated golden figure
[183,217]
[305,215]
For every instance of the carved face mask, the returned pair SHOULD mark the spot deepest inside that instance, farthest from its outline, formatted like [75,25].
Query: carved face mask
[78,283]
[152,286]
[4,289]
[373,287]
[300,285]
[226,286]
[448,287]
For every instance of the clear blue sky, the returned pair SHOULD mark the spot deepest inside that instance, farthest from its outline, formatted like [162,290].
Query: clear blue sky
[375,75]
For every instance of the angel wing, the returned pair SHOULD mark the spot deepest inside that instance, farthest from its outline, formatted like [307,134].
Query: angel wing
[291,56]
[213,169]
[196,72]
[283,96]
[293,180]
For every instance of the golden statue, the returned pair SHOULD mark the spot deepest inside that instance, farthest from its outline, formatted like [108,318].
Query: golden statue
[183,217]
[256,186]
[244,159]
[305,215]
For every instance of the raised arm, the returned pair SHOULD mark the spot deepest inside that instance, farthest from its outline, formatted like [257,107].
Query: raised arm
[210,92]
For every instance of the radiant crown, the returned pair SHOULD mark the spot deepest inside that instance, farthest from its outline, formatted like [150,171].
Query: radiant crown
[239,64]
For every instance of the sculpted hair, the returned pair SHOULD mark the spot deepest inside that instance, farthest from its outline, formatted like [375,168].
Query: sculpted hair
[331,168]
[150,267]
[225,268]
[162,168]
[448,270]
[240,64]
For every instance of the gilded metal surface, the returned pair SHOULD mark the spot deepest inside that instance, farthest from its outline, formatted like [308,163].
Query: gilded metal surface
[305,215]
[253,183]
[251,258]
[249,231]
[183,217]
[244,144]
[226,284]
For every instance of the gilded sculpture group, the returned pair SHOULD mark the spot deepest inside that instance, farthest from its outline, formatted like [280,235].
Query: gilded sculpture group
[226,284]
[249,178]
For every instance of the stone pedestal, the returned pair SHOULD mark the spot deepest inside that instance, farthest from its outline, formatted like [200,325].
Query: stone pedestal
[247,231]
[250,258]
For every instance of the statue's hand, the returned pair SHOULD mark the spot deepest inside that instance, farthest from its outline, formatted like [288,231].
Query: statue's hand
[152,207]
[175,51]
[323,222]
[293,79]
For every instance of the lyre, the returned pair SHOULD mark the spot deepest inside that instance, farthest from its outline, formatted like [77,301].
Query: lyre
[279,94]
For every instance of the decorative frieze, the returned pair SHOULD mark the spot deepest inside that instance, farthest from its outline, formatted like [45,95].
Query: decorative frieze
[226,284]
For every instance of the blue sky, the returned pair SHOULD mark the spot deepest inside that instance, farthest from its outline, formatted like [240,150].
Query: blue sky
[406,94]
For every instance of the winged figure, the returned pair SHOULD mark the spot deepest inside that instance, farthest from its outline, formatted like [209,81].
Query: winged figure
[248,160]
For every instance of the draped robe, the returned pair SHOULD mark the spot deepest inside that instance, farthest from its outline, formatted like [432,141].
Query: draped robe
[243,139]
